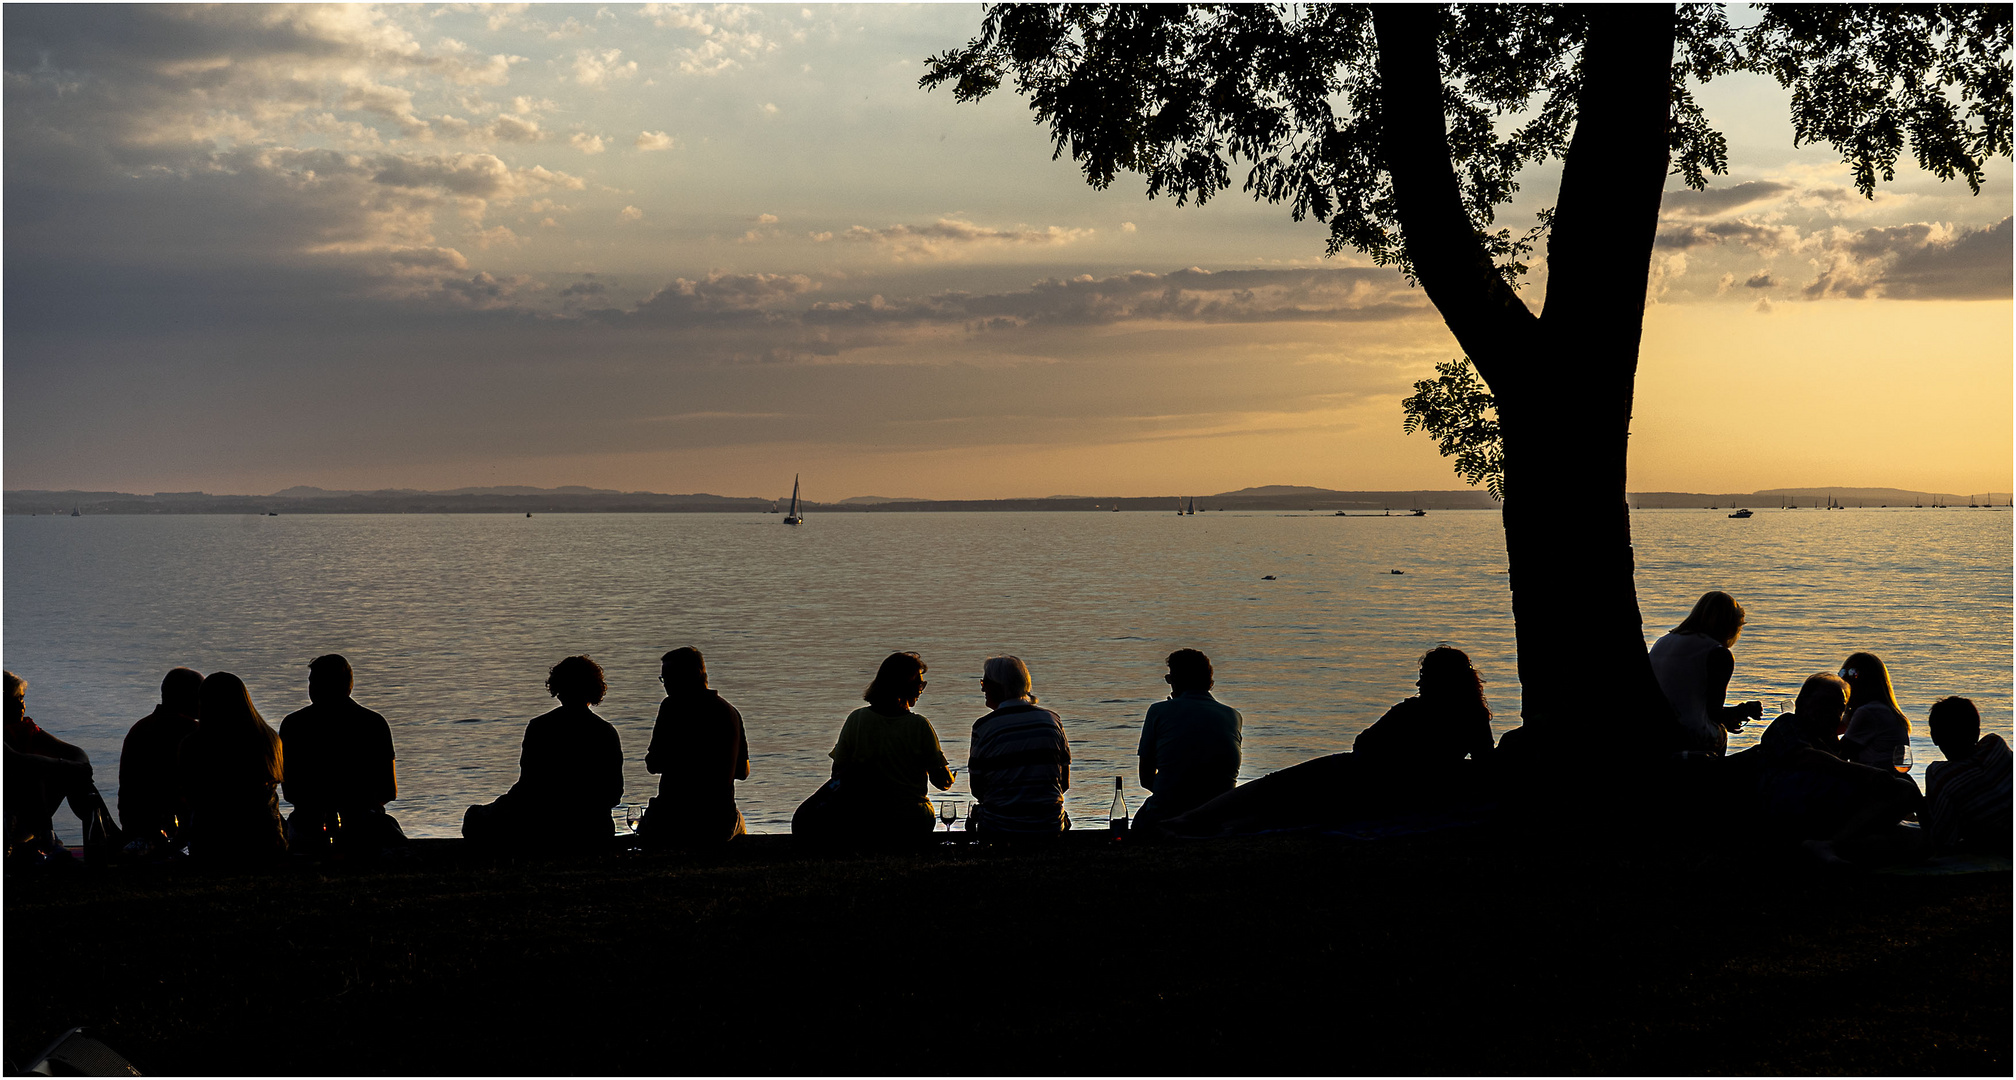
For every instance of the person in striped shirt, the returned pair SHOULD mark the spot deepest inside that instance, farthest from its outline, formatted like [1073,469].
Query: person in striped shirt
[1020,763]
[1968,792]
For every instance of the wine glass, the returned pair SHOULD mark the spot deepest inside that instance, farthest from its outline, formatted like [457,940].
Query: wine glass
[948,812]
[1900,757]
[633,817]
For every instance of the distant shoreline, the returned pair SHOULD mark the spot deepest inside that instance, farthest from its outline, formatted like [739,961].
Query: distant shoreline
[1307,500]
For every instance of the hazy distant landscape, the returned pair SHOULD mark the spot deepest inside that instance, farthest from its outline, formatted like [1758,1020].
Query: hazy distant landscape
[586,500]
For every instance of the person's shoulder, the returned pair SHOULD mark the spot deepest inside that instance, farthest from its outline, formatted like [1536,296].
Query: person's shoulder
[1991,746]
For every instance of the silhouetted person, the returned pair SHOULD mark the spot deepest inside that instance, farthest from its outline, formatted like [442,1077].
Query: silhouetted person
[1693,664]
[881,762]
[1968,793]
[1189,744]
[230,766]
[150,789]
[341,769]
[42,771]
[1020,763]
[698,751]
[570,772]
[1807,793]
[1428,753]
[1876,727]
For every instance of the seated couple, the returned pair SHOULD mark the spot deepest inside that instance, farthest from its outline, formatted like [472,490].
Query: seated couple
[1018,769]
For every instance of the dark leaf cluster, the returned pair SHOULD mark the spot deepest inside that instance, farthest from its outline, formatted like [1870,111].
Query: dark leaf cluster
[1460,414]
[1868,78]
[1183,93]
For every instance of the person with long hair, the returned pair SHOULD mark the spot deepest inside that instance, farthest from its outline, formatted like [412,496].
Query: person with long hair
[231,765]
[885,755]
[699,751]
[1425,755]
[1839,810]
[1877,728]
[570,773]
[1693,664]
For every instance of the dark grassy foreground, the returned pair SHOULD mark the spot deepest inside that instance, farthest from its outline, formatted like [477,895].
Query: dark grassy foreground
[1486,952]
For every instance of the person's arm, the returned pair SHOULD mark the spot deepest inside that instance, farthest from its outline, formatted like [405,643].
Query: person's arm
[386,787]
[1149,737]
[935,765]
[1721,668]
[653,763]
[48,750]
[1064,759]
[975,778]
[612,767]
[741,745]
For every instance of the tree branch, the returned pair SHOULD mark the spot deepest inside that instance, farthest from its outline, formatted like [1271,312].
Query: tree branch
[1442,243]
[1599,253]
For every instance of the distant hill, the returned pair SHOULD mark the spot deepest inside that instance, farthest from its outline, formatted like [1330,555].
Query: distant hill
[520,501]
[1272,489]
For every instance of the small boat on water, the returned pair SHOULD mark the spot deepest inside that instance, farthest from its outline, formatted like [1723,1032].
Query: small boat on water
[1190,508]
[1740,514]
[74,513]
[794,517]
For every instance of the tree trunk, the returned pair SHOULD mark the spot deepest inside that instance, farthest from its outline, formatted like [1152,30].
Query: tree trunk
[1563,382]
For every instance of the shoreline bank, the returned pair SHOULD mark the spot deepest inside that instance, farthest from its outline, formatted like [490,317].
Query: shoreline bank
[1478,951]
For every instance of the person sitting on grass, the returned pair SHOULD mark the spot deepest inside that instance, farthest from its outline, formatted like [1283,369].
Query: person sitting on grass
[150,799]
[341,769]
[1968,793]
[230,767]
[1412,759]
[699,751]
[570,773]
[1693,664]
[1838,810]
[885,755]
[42,771]
[1877,728]
[1019,763]
[1189,743]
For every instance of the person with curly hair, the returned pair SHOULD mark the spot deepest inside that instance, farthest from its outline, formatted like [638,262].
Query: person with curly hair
[570,772]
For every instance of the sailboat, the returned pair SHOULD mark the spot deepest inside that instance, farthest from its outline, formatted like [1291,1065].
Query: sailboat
[794,517]
[1179,506]
[1191,508]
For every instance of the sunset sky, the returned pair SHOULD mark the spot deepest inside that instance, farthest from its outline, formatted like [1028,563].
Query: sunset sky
[701,249]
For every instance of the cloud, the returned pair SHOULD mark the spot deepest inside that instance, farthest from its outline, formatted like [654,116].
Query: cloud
[948,237]
[599,68]
[1920,261]
[514,129]
[724,41]
[586,143]
[631,213]
[766,219]
[1762,279]
[654,140]
[1768,239]
[1712,201]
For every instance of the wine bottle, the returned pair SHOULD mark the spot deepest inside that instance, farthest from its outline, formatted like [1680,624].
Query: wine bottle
[1116,818]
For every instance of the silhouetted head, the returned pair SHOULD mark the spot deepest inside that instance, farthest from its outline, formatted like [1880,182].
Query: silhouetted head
[683,669]
[1716,614]
[1005,678]
[577,680]
[1189,672]
[1869,681]
[232,727]
[17,696]
[1822,709]
[329,678]
[899,682]
[1955,725]
[1449,679]
[180,690]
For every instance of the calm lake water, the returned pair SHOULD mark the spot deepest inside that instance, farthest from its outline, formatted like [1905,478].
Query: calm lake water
[452,621]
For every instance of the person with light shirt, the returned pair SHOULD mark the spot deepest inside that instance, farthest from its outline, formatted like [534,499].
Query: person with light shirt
[1020,763]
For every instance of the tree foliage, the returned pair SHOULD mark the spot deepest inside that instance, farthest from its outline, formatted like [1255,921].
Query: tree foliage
[1181,93]
[1459,413]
